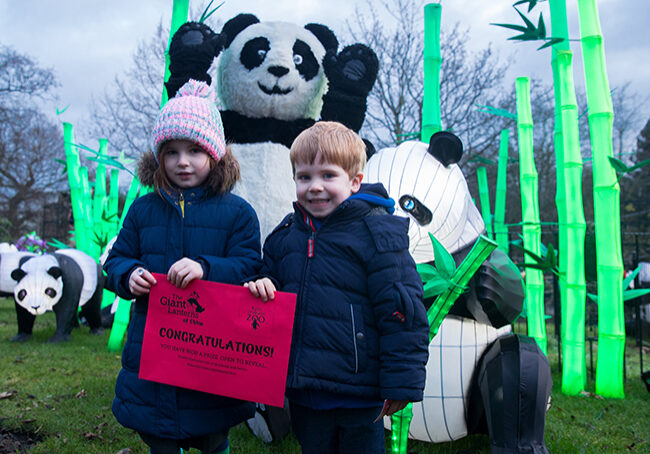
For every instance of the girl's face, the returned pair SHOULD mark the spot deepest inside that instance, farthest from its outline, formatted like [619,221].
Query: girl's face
[186,164]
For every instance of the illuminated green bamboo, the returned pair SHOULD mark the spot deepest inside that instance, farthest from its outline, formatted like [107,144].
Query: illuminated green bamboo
[431,121]
[532,231]
[179,17]
[611,328]
[113,204]
[500,227]
[399,429]
[572,223]
[484,197]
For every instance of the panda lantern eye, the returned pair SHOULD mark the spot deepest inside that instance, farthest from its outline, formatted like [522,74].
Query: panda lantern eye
[415,208]
[50,292]
[297,59]
[22,294]
[261,53]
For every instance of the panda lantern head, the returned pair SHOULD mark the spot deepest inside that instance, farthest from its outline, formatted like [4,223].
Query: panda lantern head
[39,284]
[430,190]
[273,69]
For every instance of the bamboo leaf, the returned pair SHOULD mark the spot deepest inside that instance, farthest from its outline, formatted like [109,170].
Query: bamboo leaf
[531,4]
[618,165]
[84,147]
[59,112]
[529,25]
[639,165]
[631,294]
[61,161]
[56,244]
[550,42]
[541,28]
[519,28]
[482,160]
[204,15]
[630,277]
[444,262]
[592,297]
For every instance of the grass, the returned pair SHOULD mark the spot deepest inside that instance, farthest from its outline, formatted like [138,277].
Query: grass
[61,395]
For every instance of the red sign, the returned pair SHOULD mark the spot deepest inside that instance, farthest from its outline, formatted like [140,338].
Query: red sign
[219,339]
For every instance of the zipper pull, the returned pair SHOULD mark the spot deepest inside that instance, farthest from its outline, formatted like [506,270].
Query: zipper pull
[182,204]
[310,246]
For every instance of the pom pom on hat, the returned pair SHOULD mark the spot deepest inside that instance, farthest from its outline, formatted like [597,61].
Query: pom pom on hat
[191,115]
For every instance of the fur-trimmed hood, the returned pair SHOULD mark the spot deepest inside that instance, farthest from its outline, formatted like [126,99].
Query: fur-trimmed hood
[147,166]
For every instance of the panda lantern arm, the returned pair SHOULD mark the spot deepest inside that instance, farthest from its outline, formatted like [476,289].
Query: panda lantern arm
[351,75]
[192,50]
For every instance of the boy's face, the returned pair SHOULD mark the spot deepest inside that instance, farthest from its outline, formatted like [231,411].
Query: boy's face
[187,165]
[321,186]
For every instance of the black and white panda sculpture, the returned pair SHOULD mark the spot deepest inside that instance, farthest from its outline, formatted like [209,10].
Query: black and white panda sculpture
[10,259]
[478,370]
[62,282]
[274,79]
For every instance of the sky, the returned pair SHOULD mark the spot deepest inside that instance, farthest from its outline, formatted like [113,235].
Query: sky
[87,43]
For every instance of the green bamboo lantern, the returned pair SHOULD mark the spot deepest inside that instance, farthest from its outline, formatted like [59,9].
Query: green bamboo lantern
[484,197]
[76,189]
[570,207]
[500,227]
[431,117]
[530,214]
[611,329]
[180,9]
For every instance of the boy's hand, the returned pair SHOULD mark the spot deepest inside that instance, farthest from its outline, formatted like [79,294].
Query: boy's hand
[141,281]
[184,271]
[390,407]
[262,288]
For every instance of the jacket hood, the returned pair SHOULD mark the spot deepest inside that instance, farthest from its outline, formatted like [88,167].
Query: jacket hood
[147,165]
[375,194]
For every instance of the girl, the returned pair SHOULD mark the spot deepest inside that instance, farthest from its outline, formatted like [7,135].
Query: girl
[191,227]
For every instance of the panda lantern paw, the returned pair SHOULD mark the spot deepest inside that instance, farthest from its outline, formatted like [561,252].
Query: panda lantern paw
[353,70]
[59,338]
[21,337]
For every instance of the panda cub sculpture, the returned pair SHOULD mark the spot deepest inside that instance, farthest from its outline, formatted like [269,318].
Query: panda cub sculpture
[61,282]
[274,80]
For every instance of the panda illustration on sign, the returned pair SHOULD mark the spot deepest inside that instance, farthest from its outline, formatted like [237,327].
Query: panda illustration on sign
[474,344]
[274,80]
[60,282]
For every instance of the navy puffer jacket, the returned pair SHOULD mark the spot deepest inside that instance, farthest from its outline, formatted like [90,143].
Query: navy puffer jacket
[360,327]
[221,233]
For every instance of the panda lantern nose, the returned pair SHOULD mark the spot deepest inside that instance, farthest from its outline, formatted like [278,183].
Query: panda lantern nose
[278,71]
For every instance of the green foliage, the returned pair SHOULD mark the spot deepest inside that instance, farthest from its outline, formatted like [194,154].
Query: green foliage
[620,167]
[437,278]
[547,262]
[530,32]
[628,294]
[494,111]
[205,15]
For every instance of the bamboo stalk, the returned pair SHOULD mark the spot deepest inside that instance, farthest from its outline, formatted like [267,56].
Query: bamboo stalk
[611,331]
[572,230]
[431,121]
[180,9]
[500,227]
[530,214]
[484,197]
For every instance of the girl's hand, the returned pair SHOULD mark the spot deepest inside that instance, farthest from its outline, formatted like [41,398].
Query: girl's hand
[262,288]
[184,271]
[141,281]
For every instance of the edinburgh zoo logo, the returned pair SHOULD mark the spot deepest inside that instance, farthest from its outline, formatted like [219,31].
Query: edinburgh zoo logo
[255,317]
[189,309]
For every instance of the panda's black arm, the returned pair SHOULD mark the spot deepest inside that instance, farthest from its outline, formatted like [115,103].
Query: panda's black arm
[241,129]
[344,108]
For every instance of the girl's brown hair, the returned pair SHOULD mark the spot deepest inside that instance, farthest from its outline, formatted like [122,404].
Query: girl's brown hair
[221,179]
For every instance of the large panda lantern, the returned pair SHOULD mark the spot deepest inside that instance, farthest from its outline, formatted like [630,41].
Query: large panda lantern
[61,282]
[274,80]
[474,344]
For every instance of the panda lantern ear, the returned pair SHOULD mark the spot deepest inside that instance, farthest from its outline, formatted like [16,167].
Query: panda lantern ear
[324,35]
[55,272]
[17,274]
[234,26]
[446,147]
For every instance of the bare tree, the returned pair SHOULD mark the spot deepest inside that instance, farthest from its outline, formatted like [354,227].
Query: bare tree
[395,32]
[126,111]
[29,143]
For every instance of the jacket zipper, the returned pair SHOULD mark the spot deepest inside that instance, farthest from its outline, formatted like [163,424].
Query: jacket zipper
[354,340]
[181,202]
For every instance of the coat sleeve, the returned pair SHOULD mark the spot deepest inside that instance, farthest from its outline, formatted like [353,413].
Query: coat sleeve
[242,254]
[395,291]
[124,256]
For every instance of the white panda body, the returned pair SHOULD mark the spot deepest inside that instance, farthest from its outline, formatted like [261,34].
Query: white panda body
[276,87]
[266,181]
[89,270]
[408,170]
[10,260]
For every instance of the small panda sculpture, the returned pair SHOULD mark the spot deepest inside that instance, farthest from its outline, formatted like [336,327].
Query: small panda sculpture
[274,80]
[473,355]
[61,282]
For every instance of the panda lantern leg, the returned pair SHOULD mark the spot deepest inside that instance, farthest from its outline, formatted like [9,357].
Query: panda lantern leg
[25,324]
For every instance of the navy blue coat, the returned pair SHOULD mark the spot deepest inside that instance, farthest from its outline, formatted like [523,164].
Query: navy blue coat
[221,233]
[360,326]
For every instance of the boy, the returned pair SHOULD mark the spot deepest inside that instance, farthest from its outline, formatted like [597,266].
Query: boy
[360,336]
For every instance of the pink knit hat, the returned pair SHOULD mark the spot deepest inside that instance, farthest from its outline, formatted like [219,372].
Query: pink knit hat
[192,115]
